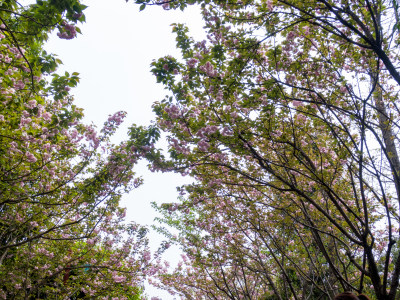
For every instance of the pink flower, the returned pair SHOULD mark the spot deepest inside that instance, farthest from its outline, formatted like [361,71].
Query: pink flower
[192,62]
[291,35]
[118,278]
[208,68]
[117,118]
[297,103]
[301,118]
[68,31]
[146,255]
[324,150]
[25,121]
[227,131]
[31,104]
[19,85]
[269,5]
[173,111]
[77,16]
[30,157]
[47,116]
[203,145]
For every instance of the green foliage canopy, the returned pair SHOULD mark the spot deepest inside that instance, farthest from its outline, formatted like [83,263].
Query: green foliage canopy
[62,231]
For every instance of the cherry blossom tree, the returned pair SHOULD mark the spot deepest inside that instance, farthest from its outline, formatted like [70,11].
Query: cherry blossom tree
[62,231]
[286,117]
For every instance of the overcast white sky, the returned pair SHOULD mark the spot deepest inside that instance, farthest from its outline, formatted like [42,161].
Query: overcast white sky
[113,57]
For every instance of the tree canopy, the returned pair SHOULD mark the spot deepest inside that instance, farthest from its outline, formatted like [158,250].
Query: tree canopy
[62,231]
[287,119]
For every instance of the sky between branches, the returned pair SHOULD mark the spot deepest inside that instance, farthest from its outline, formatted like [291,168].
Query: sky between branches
[113,57]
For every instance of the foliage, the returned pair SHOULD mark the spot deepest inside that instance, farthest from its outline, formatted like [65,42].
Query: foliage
[62,232]
[286,117]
